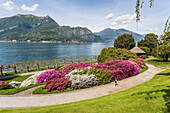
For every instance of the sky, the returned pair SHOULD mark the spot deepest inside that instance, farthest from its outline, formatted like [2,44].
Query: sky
[96,15]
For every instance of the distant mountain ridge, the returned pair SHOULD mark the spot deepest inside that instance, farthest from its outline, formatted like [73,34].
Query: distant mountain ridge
[31,27]
[109,34]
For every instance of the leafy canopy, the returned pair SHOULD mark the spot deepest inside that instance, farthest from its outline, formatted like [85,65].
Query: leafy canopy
[125,41]
[150,41]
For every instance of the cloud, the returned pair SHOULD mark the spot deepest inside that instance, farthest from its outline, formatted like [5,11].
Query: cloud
[8,5]
[109,16]
[32,8]
[124,19]
[156,30]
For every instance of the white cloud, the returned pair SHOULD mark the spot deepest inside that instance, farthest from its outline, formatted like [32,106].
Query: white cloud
[32,8]
[8,5]
[155,30]
[109,16]
[124,19]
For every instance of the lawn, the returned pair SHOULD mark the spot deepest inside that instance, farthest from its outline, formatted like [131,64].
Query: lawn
[16,90]
[150,97]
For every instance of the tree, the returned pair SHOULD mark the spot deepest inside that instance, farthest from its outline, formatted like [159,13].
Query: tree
[125,41]
[162,51]
[150,41]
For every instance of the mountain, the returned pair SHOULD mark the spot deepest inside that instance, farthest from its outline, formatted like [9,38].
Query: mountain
[30,27]
[111,34]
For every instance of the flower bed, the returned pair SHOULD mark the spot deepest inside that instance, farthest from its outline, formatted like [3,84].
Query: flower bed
[83,75]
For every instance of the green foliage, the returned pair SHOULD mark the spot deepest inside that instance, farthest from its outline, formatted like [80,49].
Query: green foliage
[4,86]
[146,49]
[143,56]
[44,91]
[150,41]
[112,53]
[162,51]
[125,41]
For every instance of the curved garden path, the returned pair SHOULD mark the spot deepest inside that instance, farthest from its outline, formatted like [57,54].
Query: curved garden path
[30,101]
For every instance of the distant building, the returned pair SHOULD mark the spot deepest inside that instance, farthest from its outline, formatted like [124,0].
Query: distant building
[14,40]
[28,40]
[137,50]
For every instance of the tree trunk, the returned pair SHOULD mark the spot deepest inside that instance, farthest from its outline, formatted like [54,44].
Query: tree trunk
[27,68]
[15,69]
[1,70]
[38,66]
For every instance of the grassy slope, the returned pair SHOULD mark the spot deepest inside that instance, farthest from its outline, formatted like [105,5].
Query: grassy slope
[16,90]
[150,97]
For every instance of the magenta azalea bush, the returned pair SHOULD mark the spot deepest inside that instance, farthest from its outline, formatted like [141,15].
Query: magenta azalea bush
[118,69]
[2,83]
[139,63]
[48,75]
[57,84]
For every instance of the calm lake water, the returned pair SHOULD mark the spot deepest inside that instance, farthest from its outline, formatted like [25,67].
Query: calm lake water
[21,52]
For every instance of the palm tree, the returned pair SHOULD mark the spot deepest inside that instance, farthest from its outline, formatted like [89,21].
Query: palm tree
[90,58]
[78,60]
[57,62]
[1,69]
[15,67]
[38,65]
[85,59]
[72,60]
[95,58]
[64,61]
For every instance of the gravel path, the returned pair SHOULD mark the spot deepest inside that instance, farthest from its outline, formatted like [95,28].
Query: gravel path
[31,101]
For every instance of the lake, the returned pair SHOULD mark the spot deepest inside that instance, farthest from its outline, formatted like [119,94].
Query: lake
[14,52]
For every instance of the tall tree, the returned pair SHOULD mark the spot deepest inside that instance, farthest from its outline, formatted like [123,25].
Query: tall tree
[125,41]
[150,41]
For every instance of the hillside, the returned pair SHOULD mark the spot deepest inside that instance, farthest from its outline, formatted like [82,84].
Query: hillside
[111,34]
[34,28]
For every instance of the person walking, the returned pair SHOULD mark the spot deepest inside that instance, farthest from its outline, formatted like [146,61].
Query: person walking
[116,82]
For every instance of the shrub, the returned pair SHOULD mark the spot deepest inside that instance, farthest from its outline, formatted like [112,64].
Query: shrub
[143,56]
[2,82]
[103,77]
[81,81]
[139,63]
[48,75]
[146,49]
[57,84]
[3,85]
[112,53]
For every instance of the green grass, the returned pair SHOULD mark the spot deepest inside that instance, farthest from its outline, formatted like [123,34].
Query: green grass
[159,64]
[150,97]
[144,69]
[19,78]
[44,91]
[16,90]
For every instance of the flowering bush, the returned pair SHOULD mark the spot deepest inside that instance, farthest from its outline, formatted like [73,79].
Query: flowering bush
[48,75]
[139,63]
[57,84]
[3,85]
[82,81]
[2,82]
